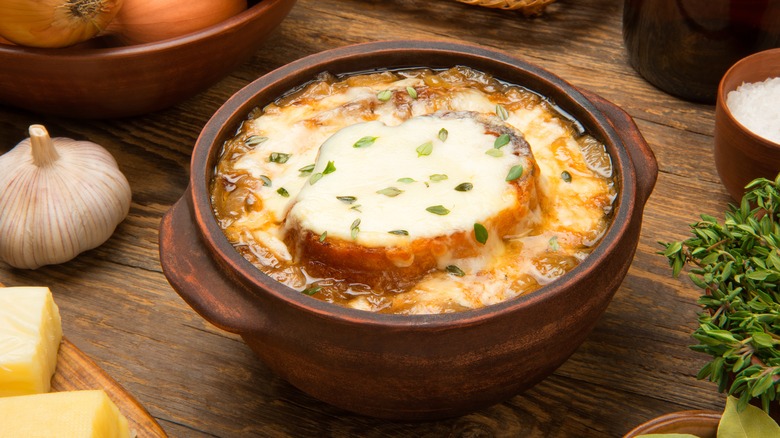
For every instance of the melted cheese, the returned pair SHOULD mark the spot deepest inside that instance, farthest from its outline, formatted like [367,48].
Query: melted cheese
[389,186]
[321,122]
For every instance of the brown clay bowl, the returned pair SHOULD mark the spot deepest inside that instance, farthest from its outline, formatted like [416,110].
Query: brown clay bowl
[96,80]
[703,424]
[397,366]
[741,155]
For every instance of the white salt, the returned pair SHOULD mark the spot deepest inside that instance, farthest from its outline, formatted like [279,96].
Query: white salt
[757,106]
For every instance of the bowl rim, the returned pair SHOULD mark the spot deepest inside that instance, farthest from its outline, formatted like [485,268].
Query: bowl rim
[234,111]
[722,98]
[75,53]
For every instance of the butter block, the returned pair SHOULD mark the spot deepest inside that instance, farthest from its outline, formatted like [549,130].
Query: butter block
[72,414]
[30,335]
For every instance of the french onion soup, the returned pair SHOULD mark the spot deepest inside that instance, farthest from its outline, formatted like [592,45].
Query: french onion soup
[415,192]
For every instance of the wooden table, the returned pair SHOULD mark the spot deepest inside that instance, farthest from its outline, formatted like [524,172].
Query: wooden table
[199,381]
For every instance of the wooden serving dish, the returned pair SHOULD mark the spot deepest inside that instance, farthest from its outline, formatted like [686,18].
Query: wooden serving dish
[76,371]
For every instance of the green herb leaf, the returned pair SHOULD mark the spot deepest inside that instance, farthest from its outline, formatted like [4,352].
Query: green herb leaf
[553,242]
[323,236]
[501,112]
[514,173]
[438,209]
[436,177]
[480,233]
[329,168]
[306,169]
[456,271]
[399,232]
[498,153]
[406,180]
[443,134]
[384,95]
[391,192]
[282,191]
[412,92]
[356,207]
[354,229]
[347,199]
[464,187]
[501,141]
[425,149]
[364,142]
[266,181]
[311,290]
[566,176]
[278,157]
[255,140]
[315,177]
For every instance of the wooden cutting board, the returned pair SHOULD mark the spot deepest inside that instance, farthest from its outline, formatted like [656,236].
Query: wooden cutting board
[75,371]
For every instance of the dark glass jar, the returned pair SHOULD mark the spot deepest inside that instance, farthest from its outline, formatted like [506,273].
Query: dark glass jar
[684,47]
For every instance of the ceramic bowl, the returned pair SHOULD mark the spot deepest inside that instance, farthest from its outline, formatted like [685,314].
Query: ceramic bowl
[404,366]
[741,155]
[703,424]
[93,81]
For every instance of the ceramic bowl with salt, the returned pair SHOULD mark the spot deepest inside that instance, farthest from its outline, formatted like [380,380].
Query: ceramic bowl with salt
[747,121]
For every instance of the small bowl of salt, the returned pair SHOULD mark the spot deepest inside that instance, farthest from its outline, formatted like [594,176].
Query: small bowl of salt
[747,121]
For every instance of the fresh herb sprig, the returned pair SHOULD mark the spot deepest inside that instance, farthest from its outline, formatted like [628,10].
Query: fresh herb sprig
[737,264]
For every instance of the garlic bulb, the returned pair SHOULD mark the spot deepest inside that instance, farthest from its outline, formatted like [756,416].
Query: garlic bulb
[58,198]
[54,23]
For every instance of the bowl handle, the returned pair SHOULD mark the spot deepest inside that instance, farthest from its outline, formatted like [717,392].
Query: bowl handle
[642,157]
[198,278]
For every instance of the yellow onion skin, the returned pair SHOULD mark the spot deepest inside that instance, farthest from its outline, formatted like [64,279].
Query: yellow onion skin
[55,23]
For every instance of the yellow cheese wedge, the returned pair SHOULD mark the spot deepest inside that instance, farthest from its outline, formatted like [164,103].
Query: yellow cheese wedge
[70,414]
[30,335]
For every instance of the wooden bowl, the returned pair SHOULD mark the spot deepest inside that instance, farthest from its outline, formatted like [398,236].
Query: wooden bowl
[703,424]
[94,81]
[404,366]
[741,155]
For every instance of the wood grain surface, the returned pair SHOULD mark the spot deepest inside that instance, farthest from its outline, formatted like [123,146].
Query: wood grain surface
[198,381]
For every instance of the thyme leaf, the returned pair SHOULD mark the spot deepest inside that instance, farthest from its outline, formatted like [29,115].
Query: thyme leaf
[566,176]
[347,199]
[501,112]
[306,169]
[364,142]
[354,229]
[443,134]
[329,168]
[480,233]
[412,92]
[493,152]
[464,187]
[399,232]
[282,191]
[255,140]
[391,192]
[438,209]
[456,271]
[436,177]
[424,149]
[279,157]
[514,173]
[384,95]
[501,141]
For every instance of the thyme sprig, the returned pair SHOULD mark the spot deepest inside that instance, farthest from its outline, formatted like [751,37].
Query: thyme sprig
[737,264]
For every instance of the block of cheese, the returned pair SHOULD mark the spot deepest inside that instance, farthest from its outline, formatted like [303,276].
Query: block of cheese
[67,414]
[30,335]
